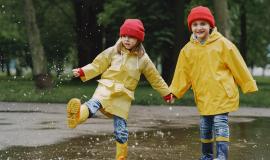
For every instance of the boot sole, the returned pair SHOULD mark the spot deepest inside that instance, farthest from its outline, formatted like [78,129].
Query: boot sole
[73,112]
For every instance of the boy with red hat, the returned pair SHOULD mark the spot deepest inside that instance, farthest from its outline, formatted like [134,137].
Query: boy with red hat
[213,67]
[120,67]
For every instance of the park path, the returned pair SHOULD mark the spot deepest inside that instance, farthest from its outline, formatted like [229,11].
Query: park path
[36,124]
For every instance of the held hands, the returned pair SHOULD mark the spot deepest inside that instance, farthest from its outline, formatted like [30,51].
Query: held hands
[78,72]
[169,98]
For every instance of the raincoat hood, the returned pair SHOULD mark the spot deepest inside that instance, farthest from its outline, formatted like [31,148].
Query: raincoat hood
[121,49]
[215,35]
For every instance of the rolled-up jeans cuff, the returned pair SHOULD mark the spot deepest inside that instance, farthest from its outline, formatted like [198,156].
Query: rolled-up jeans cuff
[93,105]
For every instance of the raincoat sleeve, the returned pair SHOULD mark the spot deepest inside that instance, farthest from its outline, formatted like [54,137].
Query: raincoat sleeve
[238,67]
[181,81]
[98,66]
[156,81]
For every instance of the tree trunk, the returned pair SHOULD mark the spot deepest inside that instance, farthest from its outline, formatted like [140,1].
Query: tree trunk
[2,61]
[7,66]
[264,70]
[89,33]
[169,59]
[41,77]
[222,17]
[243,28]
[252,68]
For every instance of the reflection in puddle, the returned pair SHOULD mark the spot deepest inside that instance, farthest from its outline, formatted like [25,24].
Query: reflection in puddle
[250,140]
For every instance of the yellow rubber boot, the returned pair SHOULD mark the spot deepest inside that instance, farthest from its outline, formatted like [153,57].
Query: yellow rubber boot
[121,151]
[84,113]
[76,113]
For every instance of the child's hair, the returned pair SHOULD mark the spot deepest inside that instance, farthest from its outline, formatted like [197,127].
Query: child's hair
[138,49]
[200,13]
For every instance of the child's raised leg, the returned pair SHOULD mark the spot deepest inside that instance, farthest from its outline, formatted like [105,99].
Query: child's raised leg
[121,137]
[77,113]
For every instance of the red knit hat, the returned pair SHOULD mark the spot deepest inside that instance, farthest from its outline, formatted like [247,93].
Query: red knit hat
[200,13]
[133,28]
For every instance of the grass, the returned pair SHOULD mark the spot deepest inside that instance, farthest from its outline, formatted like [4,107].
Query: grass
[23,90]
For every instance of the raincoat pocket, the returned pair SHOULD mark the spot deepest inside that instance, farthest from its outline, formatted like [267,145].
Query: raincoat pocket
[229,88]
[102,92]
[106,82]
[120,90]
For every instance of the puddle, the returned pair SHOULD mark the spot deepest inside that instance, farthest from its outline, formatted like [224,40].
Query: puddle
[6,124]
[249,140]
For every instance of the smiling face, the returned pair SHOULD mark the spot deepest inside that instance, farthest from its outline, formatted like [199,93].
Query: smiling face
[200,29]
[129,42]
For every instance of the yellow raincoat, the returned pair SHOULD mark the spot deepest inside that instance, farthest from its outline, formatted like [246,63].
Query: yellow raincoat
[120,75]
[213,69]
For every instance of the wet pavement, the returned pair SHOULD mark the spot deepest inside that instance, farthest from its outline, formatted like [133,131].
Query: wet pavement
[38,131]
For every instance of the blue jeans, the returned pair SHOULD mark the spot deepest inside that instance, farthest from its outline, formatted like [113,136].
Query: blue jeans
[214,127]
[120,124]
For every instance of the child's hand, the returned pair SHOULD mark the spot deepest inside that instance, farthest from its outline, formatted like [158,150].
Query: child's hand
[77,72]
[169,98]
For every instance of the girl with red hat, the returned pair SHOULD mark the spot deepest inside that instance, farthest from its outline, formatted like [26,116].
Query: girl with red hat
[213,67]
[120,67]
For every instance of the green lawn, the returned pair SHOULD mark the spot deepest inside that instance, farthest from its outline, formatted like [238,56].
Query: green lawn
[23,90]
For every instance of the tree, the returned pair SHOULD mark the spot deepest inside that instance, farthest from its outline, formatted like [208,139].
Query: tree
[222,17]
[56,22]
[180,38]
[89,33]
[12,37]
[41,76]
[251,31]
[243,29]
[2,62]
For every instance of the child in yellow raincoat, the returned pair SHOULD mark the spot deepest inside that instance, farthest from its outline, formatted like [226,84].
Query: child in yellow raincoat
[213,67]
[121,67]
